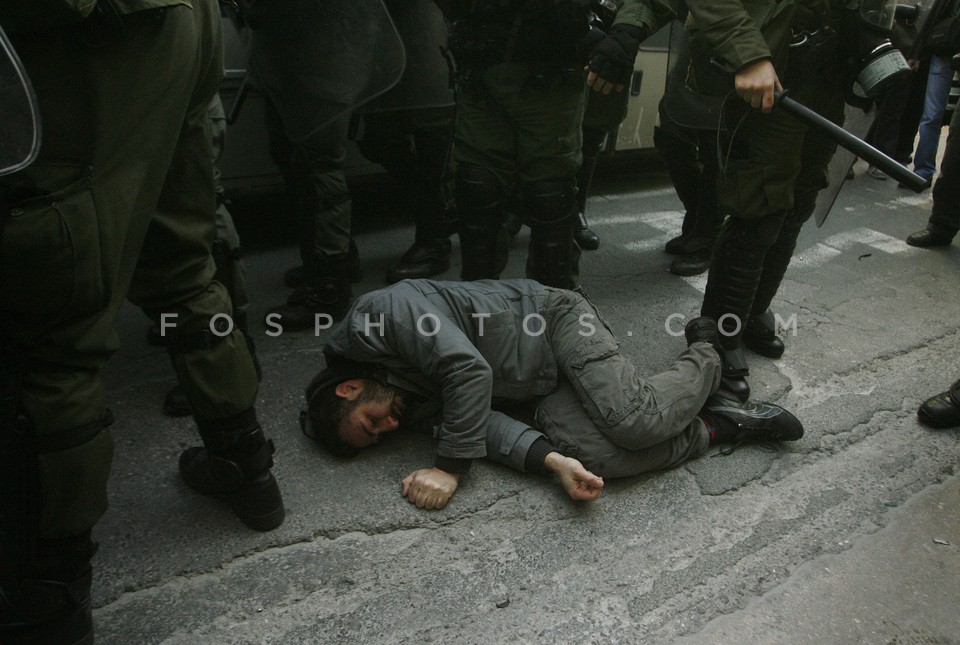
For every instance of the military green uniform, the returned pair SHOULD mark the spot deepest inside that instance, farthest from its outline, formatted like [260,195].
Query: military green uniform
[776,166]
[520,105]
[119,204]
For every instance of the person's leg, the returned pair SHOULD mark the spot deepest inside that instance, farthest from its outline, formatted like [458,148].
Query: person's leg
[547,116]
[592,140]
[318,187]
[632,410]
[565,421]
[678,147]
[67,263]
[695,256]
[485,153]
[414,146]
[228,259]
[931,123]
[912,111]
[174,282]
[944,219]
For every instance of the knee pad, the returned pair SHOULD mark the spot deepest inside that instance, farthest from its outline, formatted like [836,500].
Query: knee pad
[550,201]
[754,234]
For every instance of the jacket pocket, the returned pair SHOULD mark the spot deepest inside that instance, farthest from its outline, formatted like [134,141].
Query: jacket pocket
[50,255]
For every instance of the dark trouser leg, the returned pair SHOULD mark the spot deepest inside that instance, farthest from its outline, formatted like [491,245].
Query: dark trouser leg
[421,171]
[592,140]
[483,239]
[778,256]
[313,172]
[550,206]
[735,274]
[678,148]
[945,216]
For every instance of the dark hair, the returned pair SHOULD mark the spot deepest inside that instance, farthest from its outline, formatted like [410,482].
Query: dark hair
[325,410]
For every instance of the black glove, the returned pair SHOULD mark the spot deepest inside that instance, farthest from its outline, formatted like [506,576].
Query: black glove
[612,58]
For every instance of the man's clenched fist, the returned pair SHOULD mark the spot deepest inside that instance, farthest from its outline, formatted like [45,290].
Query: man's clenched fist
[430,488]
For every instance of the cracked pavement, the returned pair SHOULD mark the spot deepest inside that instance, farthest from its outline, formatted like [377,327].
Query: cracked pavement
[830,539]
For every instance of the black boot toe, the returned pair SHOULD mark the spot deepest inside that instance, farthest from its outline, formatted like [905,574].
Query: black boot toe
[939,411]
[421,261]
[585,237]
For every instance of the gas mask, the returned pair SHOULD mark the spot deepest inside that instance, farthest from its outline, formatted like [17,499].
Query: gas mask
[876,63]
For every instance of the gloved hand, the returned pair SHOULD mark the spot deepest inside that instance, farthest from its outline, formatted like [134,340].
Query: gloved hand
[611,62]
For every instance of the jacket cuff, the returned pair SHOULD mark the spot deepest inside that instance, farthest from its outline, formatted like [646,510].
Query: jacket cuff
[536,453]
[454,465]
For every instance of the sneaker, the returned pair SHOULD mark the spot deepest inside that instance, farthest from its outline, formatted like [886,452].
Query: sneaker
[732,420]
[876,173]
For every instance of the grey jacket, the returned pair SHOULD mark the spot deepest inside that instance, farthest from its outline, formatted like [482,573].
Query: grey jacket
[459,344]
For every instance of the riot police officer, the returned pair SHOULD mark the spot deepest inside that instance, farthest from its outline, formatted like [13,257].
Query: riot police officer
[520,103]
[119,203]
[768,188]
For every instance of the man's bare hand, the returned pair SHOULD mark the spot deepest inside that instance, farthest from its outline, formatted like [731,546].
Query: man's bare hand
[580,483]
[756,83]
[430,488]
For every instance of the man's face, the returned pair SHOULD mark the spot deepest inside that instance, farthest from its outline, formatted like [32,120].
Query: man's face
[370,417]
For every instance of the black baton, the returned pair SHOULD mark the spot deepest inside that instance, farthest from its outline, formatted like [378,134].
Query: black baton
[857,146]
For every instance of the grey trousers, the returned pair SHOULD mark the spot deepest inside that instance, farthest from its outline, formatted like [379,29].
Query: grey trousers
[605,413]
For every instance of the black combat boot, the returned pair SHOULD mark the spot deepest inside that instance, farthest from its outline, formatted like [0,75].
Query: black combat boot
[760,336]
[52,605]
[234,467]
[327,291]
[422,260]
[691,262]
[942,410]
[733,420]
[550,206]
[430,254]
[483,237]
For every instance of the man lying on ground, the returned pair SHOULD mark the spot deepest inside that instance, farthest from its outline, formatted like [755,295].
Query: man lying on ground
[449,351]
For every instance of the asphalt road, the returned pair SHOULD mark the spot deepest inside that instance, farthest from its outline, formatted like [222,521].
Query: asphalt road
[849,535]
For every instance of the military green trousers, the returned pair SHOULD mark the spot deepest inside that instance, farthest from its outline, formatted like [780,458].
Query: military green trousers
[522,127]
[122,204]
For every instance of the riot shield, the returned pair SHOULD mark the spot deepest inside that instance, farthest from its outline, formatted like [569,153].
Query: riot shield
[19,116]
[857,121]
[320,59]
[426,76]
[683,105]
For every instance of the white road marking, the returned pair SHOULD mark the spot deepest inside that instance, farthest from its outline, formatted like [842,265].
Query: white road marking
[660,220]
[639,194]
